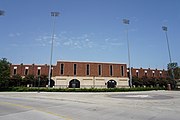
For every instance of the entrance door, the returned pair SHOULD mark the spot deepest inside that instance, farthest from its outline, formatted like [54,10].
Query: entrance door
[111,84]
[74,83]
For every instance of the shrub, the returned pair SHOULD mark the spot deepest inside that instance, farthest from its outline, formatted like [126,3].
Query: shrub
[34,89]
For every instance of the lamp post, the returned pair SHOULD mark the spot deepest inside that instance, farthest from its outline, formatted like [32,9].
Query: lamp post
[2,13]
[170,60]
[53,14]
[126,22]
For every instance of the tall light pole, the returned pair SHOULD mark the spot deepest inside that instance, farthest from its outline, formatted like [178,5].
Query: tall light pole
[126,22]
[170,60]
[2,13]
[53,14]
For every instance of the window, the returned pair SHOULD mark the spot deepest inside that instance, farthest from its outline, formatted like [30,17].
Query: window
[26,72]
[99,70]
[51,71]
[137,73]
[122,70]
[15,71]
[87,70]
[153,74]
[160,74]
[62,69]
[39,71]
[145,73]
[111,70]
[75,69]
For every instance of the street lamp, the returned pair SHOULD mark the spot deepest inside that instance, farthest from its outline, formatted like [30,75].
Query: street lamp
[53,14]
[126,22]
[2,13]
[170,60]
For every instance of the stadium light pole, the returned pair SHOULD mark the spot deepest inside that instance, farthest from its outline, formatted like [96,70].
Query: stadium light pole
[165,29]
[2,13]
[126,22]
[53,14]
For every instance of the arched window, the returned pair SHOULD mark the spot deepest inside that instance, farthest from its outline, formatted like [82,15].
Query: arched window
[111,84]
[74,83]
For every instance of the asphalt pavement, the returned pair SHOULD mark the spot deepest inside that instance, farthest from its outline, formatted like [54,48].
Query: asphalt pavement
[149,105]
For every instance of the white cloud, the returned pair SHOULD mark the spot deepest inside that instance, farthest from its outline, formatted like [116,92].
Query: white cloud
[47,40]
[81,41]
[14,34]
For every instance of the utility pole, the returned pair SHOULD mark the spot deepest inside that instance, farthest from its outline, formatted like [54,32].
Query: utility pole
[126,22]
[53,14]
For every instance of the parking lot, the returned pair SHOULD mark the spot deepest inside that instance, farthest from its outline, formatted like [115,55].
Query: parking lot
[149,105]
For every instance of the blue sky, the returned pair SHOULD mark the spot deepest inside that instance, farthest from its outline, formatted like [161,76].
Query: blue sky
[90,30]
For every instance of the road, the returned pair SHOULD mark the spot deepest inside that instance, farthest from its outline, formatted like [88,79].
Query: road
[151,105]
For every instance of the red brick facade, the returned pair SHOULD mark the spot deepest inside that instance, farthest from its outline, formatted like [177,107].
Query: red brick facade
[149,73]
[68,74]
[94,70]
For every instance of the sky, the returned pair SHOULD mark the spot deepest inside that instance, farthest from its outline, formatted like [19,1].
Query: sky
[90,30]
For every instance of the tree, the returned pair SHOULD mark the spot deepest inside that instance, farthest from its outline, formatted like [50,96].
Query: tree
[4,72]
[146,81]
[16,80]
[43,80]
[162,82]
[137,81]
[152,81]
[176,70]
[177,73]
[29,80]
[40,81]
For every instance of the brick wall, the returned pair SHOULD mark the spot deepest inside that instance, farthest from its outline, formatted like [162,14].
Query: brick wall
[82,70]
[149,73]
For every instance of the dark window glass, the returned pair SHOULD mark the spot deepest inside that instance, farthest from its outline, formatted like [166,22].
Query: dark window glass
[26,72]
[153,75]
[111,70]
[122,70]
[39,71]
[137,74]
[87,70]
[99,70]
[15,71]
[75,69]
[145,74]
[51,72]
[62,69]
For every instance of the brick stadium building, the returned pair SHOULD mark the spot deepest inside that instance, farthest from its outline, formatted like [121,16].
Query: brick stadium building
[86,74]
[149,73]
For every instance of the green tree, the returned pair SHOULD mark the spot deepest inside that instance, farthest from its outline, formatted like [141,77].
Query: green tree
[40,81]
[29,80]
[177,73]
[16,80]
[146,81]
[153,81]
[176,70]
[4,73]
[137,81]
[43,80]
[162,82]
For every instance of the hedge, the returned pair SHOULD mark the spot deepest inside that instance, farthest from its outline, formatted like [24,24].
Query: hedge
[33,89]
